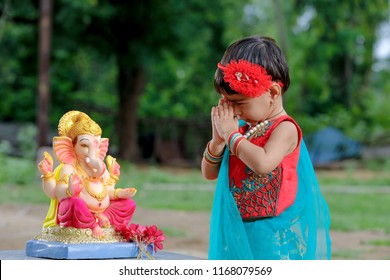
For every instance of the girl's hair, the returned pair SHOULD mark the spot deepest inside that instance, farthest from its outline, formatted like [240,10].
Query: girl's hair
[258,50]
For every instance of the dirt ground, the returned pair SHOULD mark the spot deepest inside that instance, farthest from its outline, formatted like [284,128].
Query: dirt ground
[187,232]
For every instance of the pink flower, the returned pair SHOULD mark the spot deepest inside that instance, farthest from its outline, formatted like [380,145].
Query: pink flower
[137,231]
[155,237]
[124,230]
[143,235]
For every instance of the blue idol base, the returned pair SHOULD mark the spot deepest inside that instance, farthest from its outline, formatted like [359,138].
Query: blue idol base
[59,250]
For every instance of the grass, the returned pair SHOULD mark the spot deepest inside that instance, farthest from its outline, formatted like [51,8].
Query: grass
[350,211]
[359,211]
[175,200]
[385,242]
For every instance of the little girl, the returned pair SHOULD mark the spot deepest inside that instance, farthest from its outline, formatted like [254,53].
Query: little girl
[267,203]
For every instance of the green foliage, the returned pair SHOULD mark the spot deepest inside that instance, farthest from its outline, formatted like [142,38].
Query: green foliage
[27,141]
[331,56]
[329,44]
[16,170]
[181,87]
[5,147]
[18,66]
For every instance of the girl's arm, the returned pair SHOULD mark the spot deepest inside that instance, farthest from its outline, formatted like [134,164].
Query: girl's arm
[261,160]
[282,142]
[210,165]
[210,170]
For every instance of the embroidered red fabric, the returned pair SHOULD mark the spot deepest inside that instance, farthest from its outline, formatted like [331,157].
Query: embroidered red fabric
[265,195]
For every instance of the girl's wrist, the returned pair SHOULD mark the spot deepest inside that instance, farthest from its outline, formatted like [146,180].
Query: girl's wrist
[216,148]
[212,155]
[228,135]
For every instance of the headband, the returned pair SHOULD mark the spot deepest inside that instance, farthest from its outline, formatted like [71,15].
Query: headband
[247,78]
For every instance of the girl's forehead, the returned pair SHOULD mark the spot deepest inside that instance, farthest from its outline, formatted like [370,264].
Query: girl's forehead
[235,97]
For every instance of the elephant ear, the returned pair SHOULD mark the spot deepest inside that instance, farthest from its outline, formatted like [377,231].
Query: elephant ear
[64,150]
[103,148]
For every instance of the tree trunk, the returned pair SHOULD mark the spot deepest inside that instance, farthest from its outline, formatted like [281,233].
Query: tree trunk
[44,69]
[281,26]
[131,86]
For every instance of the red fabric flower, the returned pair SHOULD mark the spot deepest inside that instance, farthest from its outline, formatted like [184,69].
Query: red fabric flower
[246,78]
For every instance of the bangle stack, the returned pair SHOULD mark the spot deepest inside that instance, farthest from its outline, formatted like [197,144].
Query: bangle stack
[210,158]
[234,140]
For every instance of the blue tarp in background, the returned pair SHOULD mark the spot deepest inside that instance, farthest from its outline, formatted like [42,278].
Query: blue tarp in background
[330,145]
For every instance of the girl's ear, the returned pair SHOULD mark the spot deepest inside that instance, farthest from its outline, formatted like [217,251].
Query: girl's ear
[275,91]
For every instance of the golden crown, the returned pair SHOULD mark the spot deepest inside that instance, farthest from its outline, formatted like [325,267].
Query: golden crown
[74,123]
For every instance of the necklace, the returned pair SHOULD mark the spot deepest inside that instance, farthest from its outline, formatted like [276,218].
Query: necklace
[260,128]
[83,174]
[276,114]
[99,196]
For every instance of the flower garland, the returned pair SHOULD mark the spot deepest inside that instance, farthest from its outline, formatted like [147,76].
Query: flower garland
[247,78]
[143,236]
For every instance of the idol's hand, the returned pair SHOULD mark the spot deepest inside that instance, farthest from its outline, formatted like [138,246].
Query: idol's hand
[125,193]
[75,185]
[112,166]
[225,120]
[46,165]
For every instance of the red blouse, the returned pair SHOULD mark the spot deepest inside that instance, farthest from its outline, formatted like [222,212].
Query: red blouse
[264,195]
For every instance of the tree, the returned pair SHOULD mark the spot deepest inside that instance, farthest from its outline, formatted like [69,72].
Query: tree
[330,53]
[44,70]
[18,68]
[339,51]
[138,34]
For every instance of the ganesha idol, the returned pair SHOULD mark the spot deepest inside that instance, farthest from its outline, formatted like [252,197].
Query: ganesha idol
[85,205]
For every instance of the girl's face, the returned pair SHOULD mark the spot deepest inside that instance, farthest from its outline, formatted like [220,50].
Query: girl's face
[251,110]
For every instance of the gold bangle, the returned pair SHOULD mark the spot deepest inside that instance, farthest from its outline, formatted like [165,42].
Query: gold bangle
[211,154]
[68,192]
[110,182]
[64,179]
[113,177]
[210,158]
[116,193]
[237,145]
[48,175]
[209,161]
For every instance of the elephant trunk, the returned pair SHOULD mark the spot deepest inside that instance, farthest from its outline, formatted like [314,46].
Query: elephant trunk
[96,165]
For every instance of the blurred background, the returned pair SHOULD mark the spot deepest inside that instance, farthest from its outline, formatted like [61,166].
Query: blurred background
[143,70]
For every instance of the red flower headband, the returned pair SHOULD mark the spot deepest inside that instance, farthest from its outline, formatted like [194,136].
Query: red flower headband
[246,78]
